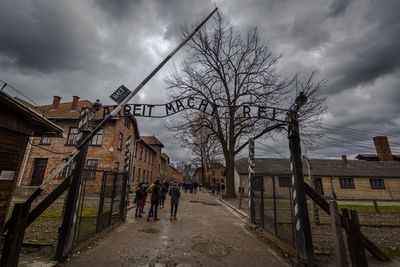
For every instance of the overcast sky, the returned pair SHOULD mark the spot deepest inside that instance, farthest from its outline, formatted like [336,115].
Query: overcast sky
[89,48]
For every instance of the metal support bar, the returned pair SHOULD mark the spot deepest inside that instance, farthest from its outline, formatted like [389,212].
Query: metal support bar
[67,227]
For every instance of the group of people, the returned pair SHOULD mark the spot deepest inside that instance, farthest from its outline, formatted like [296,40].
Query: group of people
[219,187]
[158,192]
[191,186]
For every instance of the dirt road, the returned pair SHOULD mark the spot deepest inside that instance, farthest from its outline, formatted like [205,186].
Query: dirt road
[207,233]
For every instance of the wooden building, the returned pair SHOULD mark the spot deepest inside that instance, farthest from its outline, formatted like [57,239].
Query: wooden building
[18,122]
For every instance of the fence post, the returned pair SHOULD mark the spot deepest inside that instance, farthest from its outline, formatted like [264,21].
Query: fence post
[65,238]
[251,183]
[15,235]
[355,242]
[340,249]
[376,206]
[302,221]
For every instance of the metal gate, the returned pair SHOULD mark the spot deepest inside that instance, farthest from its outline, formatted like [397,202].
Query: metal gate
[102,202]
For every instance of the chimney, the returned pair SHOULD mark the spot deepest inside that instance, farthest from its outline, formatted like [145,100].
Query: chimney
[383,148]
[344,159]
[74,102]
[56,101]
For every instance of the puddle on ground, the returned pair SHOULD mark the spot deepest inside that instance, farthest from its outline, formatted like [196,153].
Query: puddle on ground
[211,248]
[204,203]
[149,230]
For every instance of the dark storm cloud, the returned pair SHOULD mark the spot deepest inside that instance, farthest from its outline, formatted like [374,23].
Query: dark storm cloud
[45,36]
[88,48]
[338,7]
[374,54]
[118,8]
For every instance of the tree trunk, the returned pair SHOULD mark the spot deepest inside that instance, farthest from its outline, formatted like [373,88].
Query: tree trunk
[230,173]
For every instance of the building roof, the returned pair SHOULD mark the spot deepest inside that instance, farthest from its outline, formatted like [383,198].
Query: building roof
[152,140]
[147,145]
[40,126]
[374,157]
[324,167]
[64,109]
[165,156]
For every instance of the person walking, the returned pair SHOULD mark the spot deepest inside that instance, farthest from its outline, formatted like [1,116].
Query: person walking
[164,191]
[223,189]
[175,194]
[138,200]
[155,191]
[218,188]
[146,186]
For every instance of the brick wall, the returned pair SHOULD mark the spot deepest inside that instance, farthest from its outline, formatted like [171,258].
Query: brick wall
[144,163]
[107,154]
[362,188]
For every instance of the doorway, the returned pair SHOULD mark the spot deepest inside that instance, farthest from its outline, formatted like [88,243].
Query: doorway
[38,172]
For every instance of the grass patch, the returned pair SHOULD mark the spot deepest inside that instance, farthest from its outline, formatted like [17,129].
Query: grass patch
[370,208]
[87,212]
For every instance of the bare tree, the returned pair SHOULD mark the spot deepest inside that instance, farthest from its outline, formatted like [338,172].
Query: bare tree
[233,72]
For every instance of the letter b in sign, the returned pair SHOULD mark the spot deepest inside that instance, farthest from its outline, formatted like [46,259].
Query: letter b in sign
[120,94]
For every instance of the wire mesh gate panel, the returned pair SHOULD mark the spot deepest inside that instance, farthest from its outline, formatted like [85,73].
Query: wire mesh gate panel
[273,207]
[102,202]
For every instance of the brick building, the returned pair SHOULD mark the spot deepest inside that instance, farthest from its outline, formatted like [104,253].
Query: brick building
[216,174]
[144,162]
[173,174]
[372,177]
[106,149]
[157,146]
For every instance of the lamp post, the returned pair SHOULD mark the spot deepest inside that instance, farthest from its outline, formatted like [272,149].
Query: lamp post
[302,222]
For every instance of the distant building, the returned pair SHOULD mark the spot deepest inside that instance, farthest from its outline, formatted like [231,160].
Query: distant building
[150,163]
[338,179]
[216,174]
[144,162]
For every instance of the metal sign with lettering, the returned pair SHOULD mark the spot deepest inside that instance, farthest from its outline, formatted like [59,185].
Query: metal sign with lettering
[200,104]
[120,94]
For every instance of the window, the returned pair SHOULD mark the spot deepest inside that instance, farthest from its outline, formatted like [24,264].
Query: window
[116,165]
[45,141]
[127,123]
[96,140]
[138,174]
[145,155]
[318,186]
[66,172]
[120,140]
[91,164]
[284,181]
[144,175]
[214,181]
[377,183]
[72,136]
[213,172]
[141,153]
[346,183]
[133,171]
